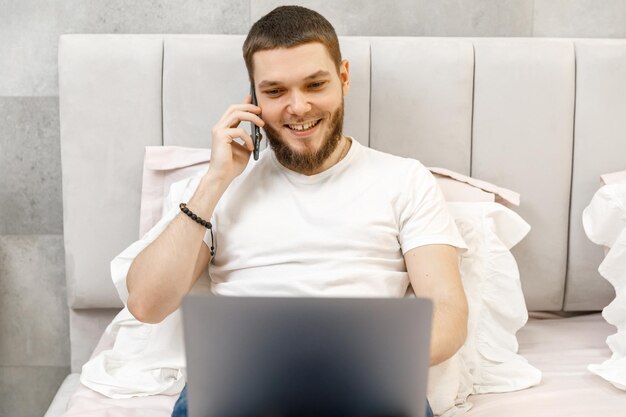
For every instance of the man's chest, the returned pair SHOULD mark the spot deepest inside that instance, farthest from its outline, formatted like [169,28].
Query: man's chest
[355,220]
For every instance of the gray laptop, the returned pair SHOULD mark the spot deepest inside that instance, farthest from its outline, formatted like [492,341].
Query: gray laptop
[301,357]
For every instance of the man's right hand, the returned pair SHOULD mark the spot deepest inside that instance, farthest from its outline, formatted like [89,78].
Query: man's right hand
[229,158]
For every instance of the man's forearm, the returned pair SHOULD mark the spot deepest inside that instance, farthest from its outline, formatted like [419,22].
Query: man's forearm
[449,330]
[163,273]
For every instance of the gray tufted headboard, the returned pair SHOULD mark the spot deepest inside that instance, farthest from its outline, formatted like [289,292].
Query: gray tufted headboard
[544,117]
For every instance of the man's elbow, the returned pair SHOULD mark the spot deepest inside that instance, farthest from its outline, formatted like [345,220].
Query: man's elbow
[136,309]
[141,311]
[138,304]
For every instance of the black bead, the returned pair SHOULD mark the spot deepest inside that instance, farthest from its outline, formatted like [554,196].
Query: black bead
[193,216]
[203,222]
[185,210]
[209,225]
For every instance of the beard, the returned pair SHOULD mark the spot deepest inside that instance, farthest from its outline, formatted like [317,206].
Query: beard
[309,160]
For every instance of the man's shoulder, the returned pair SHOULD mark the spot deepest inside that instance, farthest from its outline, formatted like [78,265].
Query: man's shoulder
[393,162]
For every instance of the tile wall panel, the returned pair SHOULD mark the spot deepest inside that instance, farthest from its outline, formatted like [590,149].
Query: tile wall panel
[26,391]
[30,29]
[154,16]
[418,18]
[29,32]
[33,307]
[30,166]
[580,18]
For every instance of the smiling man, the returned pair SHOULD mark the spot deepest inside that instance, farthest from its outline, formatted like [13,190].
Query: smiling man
[318,214]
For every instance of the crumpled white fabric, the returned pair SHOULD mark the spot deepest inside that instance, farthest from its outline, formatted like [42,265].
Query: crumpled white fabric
[605,216]
[488,361]
[146,359]
[449,385]
[604,221]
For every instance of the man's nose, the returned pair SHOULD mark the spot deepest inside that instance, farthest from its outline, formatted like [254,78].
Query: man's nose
[299,103]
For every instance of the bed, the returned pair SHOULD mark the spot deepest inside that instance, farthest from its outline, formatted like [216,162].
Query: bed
[542,117]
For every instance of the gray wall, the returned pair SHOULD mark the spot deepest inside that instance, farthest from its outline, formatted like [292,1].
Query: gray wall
[34,339]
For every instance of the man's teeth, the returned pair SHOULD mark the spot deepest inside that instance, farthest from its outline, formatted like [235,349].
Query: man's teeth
[304,126]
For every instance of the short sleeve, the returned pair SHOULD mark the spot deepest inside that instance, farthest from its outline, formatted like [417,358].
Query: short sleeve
[423,215]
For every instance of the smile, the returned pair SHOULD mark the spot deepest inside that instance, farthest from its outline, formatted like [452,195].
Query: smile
[303,127]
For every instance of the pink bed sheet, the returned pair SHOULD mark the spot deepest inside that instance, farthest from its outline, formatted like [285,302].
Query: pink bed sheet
[560,347]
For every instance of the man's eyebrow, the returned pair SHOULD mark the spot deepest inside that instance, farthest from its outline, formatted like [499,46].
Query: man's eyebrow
[318,74]
[264,84]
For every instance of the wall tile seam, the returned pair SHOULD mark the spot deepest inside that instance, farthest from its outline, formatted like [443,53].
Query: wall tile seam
[369,120]
[35,366]
[25,97]
[471,155]
[31,234]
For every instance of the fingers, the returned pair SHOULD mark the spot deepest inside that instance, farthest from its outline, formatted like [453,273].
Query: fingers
[232,119]
[240,112]
[234,133]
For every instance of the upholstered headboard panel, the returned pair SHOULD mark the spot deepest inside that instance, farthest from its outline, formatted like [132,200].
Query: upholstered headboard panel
[543,117]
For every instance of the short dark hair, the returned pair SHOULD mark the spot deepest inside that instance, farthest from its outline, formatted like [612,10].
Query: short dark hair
[289,26]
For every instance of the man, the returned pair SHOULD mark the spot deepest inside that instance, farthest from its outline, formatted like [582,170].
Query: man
[318,214]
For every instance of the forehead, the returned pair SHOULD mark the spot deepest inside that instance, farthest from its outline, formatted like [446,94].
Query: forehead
[291,64]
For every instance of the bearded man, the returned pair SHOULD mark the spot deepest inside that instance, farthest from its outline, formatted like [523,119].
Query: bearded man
[318,214]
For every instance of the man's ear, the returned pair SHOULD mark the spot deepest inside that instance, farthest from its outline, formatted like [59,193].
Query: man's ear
[344,76]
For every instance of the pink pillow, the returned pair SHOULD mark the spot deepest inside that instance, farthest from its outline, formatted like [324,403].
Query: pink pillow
[613,178]
[459,187]
[163,166]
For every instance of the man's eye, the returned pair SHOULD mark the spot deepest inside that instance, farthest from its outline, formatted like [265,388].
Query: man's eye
[272,92]
[317,84]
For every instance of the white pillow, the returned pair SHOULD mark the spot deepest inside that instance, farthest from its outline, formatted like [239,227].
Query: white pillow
[604,221]
[605,216]
[488,361]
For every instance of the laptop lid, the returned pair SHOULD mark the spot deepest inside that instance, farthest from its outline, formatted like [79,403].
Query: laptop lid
[324,357]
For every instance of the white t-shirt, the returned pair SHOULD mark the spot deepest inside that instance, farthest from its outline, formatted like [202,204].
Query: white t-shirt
[342,232]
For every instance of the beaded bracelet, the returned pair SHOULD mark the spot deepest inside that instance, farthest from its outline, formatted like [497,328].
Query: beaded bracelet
[198,219]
